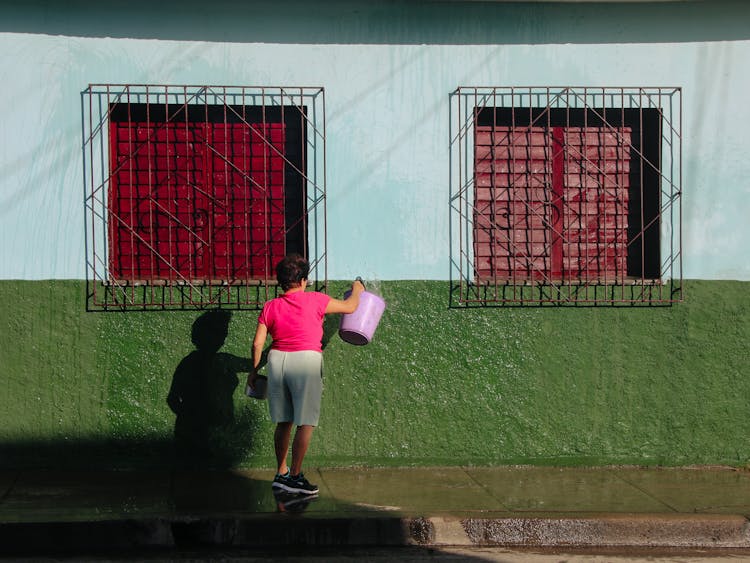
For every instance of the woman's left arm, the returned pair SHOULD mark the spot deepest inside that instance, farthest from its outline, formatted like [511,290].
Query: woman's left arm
[350,304]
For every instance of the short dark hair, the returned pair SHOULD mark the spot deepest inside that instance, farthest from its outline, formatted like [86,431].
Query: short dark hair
[291,270]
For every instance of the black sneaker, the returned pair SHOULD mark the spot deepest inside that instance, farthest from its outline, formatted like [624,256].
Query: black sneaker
[280,480]
[296,484]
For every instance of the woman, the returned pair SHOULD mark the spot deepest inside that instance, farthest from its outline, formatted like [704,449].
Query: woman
[295,364]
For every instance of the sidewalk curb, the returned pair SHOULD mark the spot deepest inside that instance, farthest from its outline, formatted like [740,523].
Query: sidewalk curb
[644,530]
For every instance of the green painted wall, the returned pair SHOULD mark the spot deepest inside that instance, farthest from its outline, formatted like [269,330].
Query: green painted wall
[562,386]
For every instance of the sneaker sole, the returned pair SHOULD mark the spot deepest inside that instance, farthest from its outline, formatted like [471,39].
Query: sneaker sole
[291,489]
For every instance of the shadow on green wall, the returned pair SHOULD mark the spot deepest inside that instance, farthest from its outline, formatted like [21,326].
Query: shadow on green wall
[209,431]
[201,396]
[330,328]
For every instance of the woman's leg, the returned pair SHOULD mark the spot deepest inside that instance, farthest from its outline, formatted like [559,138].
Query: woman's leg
[281,437]
[299,447]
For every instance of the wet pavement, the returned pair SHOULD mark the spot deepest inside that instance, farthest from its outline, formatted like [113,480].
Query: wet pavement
[705,507]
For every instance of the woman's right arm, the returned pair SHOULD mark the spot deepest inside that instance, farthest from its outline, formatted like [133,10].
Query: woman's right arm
[348,305]
[259,343]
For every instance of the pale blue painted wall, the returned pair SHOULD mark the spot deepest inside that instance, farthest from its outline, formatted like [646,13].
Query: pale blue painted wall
[388,70]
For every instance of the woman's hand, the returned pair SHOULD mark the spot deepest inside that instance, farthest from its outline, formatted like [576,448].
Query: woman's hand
[357,286]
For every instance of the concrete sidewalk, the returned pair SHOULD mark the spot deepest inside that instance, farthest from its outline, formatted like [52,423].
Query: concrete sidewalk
[706,507]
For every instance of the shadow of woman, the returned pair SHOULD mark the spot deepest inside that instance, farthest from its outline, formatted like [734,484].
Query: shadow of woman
[202,398]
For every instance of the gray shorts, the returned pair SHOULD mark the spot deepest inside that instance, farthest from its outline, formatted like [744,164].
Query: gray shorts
[295,386]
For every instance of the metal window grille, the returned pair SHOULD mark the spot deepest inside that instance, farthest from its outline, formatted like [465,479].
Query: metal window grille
[568,195]
[193,193]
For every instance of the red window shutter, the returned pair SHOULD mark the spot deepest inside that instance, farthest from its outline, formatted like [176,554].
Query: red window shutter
[512,215]
[247,208]
[551,203]
[195,201]
[595,207]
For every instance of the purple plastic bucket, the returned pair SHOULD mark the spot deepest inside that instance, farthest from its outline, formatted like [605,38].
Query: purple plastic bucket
[358,327]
